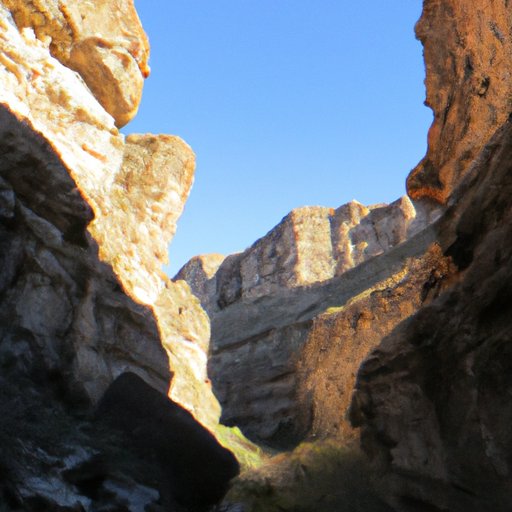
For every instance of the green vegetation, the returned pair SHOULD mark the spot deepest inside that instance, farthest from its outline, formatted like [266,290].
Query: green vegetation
[249,455]
[315,477]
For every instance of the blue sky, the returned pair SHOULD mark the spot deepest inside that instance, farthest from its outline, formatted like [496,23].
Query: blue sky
[286,103]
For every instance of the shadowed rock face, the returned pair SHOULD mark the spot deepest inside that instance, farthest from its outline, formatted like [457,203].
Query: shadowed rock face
[195,469]
[468,60]
[341,338]
[433,399]
[85,219]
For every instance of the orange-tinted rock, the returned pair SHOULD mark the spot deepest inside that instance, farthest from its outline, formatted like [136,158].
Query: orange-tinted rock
[103,41]
[468,58]
[433,399]
[341,338]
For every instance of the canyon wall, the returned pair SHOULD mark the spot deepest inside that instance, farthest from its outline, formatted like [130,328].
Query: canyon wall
[424,343]
[86,215]
[384,325]
[467,50]
[272,310]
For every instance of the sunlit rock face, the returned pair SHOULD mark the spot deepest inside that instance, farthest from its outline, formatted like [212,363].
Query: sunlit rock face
[96,214]
[85,219]
[267,303]
[310,245]
[102,40]
[468,64]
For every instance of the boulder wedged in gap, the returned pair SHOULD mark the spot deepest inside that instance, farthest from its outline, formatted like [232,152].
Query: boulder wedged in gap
[195,469]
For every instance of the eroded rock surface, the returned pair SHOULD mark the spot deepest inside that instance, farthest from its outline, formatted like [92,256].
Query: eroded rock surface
[103,41]
[341,338]
[264,303]
[310,245]
[85,219]
[468,56]
[433,399]
[88,197]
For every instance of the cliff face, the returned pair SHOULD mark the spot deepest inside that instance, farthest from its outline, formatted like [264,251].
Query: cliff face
[408,303]
[85,196]
[468,55]
[267,307]
[85,218]
[433,399]
[419,326]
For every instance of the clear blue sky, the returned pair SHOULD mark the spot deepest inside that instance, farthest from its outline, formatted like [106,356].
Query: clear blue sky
[286,103]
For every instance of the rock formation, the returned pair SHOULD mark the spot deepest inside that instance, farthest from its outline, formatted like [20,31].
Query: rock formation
[96,207]
[433,399]
[266,306]
[85,219]
[395,317]
[467,61]
[102,41]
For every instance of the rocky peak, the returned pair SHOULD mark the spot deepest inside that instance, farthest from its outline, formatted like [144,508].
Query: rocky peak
[310,245]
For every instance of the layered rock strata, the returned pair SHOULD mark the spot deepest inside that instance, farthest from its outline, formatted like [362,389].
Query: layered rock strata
[264,305]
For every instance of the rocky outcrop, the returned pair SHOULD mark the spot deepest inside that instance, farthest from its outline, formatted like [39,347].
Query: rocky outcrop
[341,338]
[98,225]
[102,41]
[85,218]
[310,245]
[467,58]
[264,305]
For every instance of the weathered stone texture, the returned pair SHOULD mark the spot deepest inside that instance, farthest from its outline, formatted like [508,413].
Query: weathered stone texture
[310,245]
[432,400]
[87,227]
[341,338]
[263,303]
[103,41]
[468,60]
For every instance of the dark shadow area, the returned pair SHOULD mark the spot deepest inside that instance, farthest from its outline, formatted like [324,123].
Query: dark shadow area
[67,330]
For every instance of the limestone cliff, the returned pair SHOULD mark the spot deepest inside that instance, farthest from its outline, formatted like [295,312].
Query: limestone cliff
[267,306]
[85,218]
[406,303]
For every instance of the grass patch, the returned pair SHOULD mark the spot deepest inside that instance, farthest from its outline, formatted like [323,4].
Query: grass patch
[315,477]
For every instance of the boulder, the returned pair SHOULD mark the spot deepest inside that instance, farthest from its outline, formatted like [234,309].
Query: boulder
[102,41]
[194,467]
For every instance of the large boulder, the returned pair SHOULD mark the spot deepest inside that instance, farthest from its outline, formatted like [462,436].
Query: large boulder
[103,41]
[194,467]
